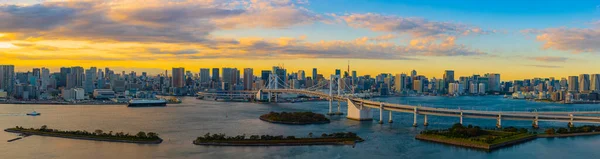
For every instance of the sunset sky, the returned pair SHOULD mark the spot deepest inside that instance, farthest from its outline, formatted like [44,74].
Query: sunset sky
[518,39]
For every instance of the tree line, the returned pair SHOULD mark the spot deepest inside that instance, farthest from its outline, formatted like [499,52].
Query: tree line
[96,133]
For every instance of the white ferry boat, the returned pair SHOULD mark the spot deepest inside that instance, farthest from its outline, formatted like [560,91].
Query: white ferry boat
[147,103]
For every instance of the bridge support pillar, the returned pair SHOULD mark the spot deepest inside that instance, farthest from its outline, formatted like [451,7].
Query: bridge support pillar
[571,124]
[499,121]
[461,117]
[535,122]
[330,106]
[425,123]
[390,120]
[270,95]
[339,109]
[358,111]
[415,117]
[381,113]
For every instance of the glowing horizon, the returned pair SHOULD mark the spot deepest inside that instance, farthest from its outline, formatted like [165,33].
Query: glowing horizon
[557,39]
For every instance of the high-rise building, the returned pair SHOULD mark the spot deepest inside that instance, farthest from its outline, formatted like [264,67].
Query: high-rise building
[314,76]
[264,76]
[338,72]
[90,79]
[178,80]
[413,74]
[216,75]
[448,78]
[573,84]
[45,78]
[493,82]
[75,78]
[36,72]
[399,83]
[62,79]
[204,75]
[281,74]
[595,83]
[227,76]
[418,85]
[301,75]
[584,82]
[248,78]
[481,88]
[7,76]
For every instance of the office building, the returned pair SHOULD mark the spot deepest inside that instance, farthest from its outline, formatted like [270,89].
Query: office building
[75,78]
[248,78]
[595,83]
[584,83]
[178,80]
[573,84]
[204,75]
[7,76]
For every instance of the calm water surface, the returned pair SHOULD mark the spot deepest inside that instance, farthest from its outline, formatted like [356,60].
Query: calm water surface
[179,124]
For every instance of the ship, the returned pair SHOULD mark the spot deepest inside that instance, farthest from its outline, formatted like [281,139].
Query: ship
[147,103]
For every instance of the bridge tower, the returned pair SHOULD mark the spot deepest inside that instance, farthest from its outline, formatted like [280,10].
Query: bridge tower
[273,84]
[339,93]
[330,95]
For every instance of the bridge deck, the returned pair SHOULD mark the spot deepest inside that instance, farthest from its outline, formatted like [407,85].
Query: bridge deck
[563,116]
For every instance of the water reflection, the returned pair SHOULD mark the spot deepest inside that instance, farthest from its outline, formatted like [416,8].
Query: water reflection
[179,124]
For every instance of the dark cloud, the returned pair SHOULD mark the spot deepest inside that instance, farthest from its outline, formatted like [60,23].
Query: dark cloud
[15,18]
[176,52]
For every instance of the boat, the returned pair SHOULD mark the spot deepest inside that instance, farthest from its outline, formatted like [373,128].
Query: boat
[147,103]
[34,113]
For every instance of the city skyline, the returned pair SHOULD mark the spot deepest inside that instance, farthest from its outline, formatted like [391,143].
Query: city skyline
[518,40]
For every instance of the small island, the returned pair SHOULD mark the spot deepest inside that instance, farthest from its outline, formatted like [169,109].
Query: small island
[295,118]
[341,138]
[98,135]
[571,131]
[475,137]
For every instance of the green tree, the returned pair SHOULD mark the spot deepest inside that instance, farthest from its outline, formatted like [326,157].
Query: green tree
[141,134]
[310,135]
[550,131]
[152,135]
[44,127]
[98,132]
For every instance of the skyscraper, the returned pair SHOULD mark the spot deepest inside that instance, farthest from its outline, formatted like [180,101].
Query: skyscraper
[338,72]
[75,78]
[573,84]
[248,78]
[595,83]
[228,75]
[90,79]
[178,80]
[62,79]
[301,75]
[448,78]
[413,74]
[493,82]
[314,75]
[204,75]
[399,83]
[264,76]
[216,75]
[7,76]
[584,82]
[45,78]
